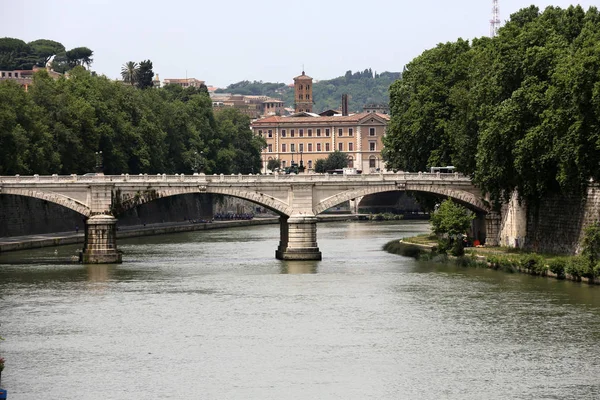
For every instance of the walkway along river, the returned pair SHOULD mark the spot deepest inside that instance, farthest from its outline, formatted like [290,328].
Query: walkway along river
[212,315]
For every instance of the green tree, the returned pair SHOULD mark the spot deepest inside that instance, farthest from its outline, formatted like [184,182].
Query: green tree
[336,160]
[145,75]
[130,72]
[44,50]
[15,54]
[80,56]
[274,164]
[451,219]
[320,166]
[240,148]
[591,243]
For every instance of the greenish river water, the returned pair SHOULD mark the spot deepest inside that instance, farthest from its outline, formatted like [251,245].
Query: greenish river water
[213,315]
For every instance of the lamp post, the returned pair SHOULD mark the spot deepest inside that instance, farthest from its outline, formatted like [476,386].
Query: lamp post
[201,165]
[195,165]
[99,163]
[301,167]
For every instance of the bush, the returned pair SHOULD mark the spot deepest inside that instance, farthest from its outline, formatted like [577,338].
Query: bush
[578,266]
[557,266]
[458,250]
[502,263]
[533,263]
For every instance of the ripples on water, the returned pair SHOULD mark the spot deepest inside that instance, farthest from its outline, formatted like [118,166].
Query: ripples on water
[213,315]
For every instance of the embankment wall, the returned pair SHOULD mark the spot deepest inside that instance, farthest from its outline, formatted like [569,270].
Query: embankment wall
[21,215]
[555,225]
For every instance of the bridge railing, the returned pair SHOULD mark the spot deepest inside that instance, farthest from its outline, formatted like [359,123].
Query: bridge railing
[201,178]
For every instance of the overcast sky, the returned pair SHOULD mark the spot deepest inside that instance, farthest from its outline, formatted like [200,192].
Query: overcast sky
[226,41]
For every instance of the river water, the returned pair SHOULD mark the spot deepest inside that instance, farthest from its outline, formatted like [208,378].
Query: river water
[213,315]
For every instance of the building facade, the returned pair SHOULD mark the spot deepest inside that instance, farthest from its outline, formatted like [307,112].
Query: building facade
[186,82]
[25,77]
[306,138]
[252,106]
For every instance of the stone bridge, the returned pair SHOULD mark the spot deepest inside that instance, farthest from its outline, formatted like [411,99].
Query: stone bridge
[297,199]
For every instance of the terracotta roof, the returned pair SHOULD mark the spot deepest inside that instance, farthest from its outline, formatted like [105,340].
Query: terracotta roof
[303,76]
[317,120]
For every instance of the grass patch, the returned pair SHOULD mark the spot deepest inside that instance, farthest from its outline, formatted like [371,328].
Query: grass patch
[403,249]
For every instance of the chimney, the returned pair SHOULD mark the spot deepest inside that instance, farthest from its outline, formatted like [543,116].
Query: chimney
[344,105]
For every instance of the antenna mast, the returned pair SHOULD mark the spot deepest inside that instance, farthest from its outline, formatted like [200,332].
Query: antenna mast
[495,21]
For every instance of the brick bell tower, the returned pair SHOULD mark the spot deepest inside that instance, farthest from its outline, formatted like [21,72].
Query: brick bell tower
[303,93]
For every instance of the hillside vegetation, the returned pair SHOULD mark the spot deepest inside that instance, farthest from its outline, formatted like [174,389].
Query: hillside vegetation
[362,87]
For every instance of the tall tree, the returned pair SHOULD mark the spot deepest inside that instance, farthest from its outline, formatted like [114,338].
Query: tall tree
[80,56]
[130,72]
[145,75]
[45,49]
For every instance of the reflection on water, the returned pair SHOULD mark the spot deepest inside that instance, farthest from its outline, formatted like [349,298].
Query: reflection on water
[99,272]
[214,315]
[299,267]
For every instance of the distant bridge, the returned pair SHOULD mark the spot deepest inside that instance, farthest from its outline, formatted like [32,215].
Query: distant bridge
[297,199]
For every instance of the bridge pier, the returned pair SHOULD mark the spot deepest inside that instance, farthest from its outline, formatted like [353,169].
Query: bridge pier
[492,228]
[298,238]
[100,245]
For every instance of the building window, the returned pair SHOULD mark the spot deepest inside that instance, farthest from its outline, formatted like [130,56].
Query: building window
[283,164]
[310,133]
[327,132]
[291,133]
[308,97]
[10,74]
[326,146]
[350,162]
[3,74]
[260,133]
[283,148]
[300,87]
[371,131]
[307,87]
[372,146]
[350,146]
[350,132]
[301,132]
[318,133]
[340,132]
[309,164]
[270,133]
[310,147]
[270,148]
[283,133]
[292,148]
[372,162]
[318,146]
[300,97]
[301,147]
[341,146]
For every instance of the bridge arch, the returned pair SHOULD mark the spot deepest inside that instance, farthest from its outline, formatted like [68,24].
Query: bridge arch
[466,198]
[125,201]
[51,197]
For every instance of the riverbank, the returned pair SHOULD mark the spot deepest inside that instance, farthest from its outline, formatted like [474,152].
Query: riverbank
[16,243]
[423,247]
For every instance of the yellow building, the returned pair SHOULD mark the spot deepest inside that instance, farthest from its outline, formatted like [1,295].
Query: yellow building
[308,137]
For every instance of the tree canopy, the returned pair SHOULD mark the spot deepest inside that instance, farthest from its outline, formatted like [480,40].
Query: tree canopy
[451,219]
[518,112]
[58,125]
[16,54]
